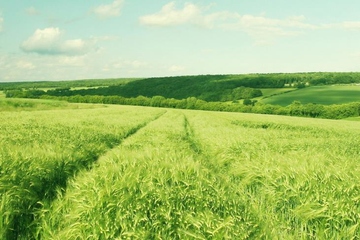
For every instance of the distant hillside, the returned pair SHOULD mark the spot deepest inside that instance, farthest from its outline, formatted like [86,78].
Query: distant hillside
[204,87]
[66,84]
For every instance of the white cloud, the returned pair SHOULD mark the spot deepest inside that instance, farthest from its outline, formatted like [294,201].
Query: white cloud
[347,25]
[32,11]
[24,67]
[263,23]
[49,41]
[264,30]
[109,10]
[14,67]
[43,41]
[176,68]
[170,16]
[258,27]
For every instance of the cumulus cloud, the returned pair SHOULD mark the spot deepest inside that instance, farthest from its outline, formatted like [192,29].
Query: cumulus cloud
[109,10]
[170,16]
[49,41]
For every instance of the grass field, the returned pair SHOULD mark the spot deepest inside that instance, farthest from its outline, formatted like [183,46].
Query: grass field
[353,119]
[19,104]
[275,91]
[336,94]
[149,173]
[269,92]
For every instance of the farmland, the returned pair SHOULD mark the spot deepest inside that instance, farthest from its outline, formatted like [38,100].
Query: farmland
[7,104]
[331,94]
[115,172]
[267,92]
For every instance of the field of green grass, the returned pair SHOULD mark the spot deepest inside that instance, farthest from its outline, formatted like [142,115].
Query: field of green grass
[123,172]
[269,92]
[20,104]
[275,91]
[332,94]
[353,119]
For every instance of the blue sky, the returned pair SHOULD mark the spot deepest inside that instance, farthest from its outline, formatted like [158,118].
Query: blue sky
[76,39]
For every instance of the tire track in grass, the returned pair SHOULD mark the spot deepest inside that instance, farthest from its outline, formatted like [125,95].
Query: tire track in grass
[233,207]
[156,185]
[119,165]
[151,187]
[134,130]
[189,137]
[23,225]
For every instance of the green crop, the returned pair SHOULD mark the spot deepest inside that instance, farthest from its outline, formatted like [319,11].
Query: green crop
[40,151]
[146,173]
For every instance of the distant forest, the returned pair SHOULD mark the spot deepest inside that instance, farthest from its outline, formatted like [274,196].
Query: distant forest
[204,87]
[204,92]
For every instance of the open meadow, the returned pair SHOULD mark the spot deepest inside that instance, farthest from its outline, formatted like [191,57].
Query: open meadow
[125,172]
[329,94]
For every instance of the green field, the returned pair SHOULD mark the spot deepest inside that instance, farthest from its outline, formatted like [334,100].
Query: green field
[124,172]
[353,119]
[269,92]
[19,104]
[336,94]
[275,91]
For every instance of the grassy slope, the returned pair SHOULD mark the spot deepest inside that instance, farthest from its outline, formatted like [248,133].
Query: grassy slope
[318,94]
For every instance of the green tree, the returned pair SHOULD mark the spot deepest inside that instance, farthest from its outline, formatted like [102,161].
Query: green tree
[247,102]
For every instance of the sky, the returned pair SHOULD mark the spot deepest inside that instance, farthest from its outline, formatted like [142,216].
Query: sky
[93,39]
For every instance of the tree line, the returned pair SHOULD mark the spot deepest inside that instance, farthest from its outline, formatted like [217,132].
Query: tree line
[270,80]
[217,87]
[212,94]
